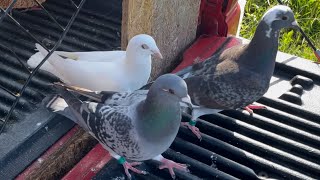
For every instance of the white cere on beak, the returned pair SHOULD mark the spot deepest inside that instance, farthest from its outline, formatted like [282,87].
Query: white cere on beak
[187,100]
[157,54]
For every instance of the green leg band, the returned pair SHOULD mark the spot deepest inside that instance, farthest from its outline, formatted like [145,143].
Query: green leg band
[121,160]
[192,123]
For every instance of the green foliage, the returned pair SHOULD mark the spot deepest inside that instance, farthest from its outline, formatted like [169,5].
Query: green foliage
[307,13]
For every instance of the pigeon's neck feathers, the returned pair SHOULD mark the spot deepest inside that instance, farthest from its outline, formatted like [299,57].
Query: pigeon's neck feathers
[161,116]
[261,52]
[137,60]
[137,65]
[133,52]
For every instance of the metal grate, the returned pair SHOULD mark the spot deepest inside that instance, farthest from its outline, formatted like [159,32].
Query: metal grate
[16,95]
[20,31]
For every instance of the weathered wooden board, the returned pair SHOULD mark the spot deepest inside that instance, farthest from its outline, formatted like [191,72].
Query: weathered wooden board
[173,24]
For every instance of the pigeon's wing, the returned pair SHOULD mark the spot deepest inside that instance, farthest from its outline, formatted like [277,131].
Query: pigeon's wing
[226,88]
[94,56]
[210,63]
[110,97]
[126,98]
[112,126]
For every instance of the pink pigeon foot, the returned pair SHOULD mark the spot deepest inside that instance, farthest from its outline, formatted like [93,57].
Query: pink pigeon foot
[168,164]
[191,125]
[251,107]
[126,165]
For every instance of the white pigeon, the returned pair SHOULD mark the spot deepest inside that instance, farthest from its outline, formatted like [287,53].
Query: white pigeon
[102,70]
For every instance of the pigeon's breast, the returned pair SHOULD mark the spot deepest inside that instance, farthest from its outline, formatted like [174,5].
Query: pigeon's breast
[138,74]
[157,136]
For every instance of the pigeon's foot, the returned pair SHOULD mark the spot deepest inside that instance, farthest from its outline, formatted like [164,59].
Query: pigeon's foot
[191,125]
[126,165]
[252,107]
[168,164]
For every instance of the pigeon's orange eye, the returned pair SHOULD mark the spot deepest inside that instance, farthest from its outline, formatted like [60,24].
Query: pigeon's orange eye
[144,46]
[284,18]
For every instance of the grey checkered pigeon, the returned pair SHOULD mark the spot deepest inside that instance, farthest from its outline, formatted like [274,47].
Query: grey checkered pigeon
[136,128]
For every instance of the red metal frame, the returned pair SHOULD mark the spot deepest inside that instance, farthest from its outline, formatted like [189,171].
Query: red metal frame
[215,23]
[202,49]
[217,20]
[90,165]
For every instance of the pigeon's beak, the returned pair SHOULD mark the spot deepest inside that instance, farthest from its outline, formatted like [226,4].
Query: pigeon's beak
[157,54]
[295,25]
[187,101]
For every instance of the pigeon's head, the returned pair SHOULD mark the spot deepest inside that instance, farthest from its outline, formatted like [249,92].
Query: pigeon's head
[144,44]
[280,16]
[173,86]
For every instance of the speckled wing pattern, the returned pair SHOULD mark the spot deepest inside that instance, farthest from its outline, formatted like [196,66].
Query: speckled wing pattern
[226,88]
[126,98]
[225,85]
[113,126]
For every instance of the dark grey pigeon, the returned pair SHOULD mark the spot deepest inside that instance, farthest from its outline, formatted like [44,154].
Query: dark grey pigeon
[138,127]
[239,75]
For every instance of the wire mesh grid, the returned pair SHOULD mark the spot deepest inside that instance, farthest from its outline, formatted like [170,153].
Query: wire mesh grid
[7,14]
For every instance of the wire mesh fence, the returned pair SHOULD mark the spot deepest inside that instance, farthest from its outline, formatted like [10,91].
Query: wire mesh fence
[6,13]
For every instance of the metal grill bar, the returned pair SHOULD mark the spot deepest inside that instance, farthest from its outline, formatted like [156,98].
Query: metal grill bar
[51,17]
[34,72]
[26,31]
[7,10]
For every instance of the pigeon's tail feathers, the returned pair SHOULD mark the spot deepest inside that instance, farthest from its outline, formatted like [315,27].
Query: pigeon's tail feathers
[54,103]
[96,96]
[71,100]
[184,73]
[75,106]
[54,56]
[35,60]
[58,105]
